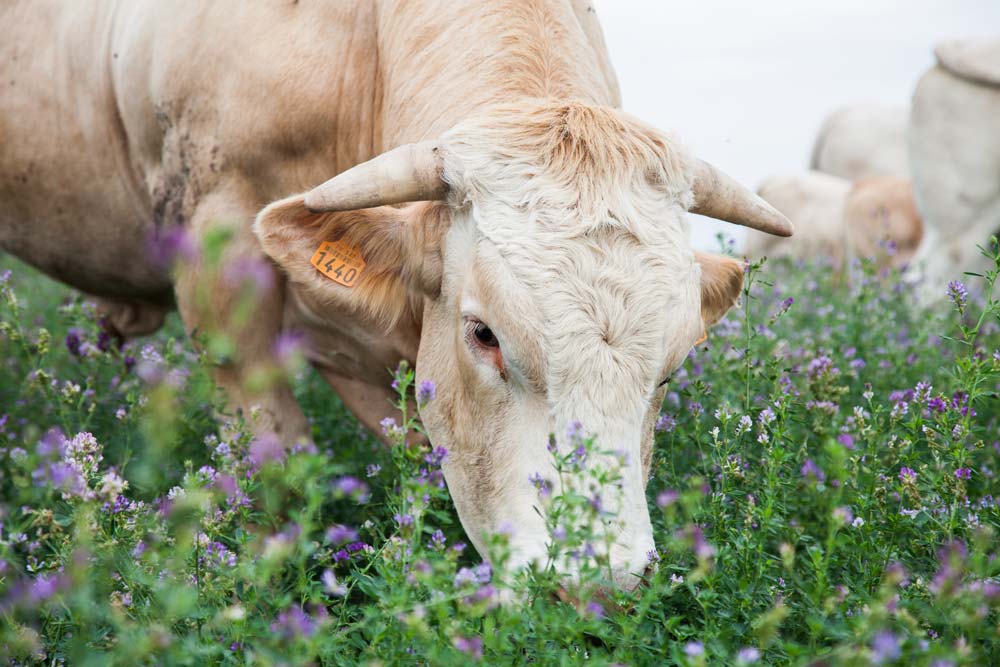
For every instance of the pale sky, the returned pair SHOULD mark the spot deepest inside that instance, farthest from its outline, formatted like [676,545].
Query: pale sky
[746,84]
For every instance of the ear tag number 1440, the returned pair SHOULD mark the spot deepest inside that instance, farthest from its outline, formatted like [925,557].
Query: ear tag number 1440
[339,262]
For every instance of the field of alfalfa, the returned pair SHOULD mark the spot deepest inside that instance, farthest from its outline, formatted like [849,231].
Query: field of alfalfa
[822,493]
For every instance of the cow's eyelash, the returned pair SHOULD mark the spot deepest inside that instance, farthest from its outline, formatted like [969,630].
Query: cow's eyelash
[666,380]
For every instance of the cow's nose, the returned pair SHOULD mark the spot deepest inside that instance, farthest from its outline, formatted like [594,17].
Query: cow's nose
[603,595]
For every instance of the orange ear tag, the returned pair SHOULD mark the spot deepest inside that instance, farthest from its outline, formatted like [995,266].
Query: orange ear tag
[339,262]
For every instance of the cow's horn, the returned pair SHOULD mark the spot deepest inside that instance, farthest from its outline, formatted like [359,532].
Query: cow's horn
[412,172]
[719,196]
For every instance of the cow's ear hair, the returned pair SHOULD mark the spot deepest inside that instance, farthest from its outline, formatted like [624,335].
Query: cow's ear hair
[400,247]
[721,284]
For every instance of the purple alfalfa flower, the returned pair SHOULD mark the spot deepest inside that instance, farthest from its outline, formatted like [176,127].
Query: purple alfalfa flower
[426,392]
[436,457]
[960,402]
[594,610]
[843,514]
[596,503]
[293,623]
[695,408]
[485,594]
[812,471]
[471,646]
[822,367]
[169,244]
[666,498]
[542,485]
[372,469]
[483,573]
[958,293]
[896,575]
[783,307]
[846,439]
[74,339]
[464,577]
[403,520]
[352,487]
[885,647]
[907,475]
[578,457]
[575,432]
[288,345]
[339,533]
[963,473]
[747,656]
[250,271]
[694,649]
[217,554]
[437,541]
[355,547]
[50,444]
[44,587]
[103,338]
[665,423]
[266,448]
[952,558]
[695,536]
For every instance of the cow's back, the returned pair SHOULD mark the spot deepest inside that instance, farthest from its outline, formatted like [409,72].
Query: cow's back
[814,202]
[862,141]
[117,118]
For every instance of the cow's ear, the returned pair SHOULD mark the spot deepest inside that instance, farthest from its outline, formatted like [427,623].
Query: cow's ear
[396,253]
[721,284]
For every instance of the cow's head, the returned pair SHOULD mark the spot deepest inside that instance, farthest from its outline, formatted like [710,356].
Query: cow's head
[550,261]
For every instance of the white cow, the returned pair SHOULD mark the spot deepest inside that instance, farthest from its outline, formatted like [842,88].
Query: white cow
[955,149]
[839,220]
[814,202]
[493,218]
[861,141]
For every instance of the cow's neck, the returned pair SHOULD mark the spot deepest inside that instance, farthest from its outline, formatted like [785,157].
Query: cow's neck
[441,61]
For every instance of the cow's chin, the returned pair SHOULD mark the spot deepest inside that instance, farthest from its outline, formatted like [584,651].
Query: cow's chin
[629,557]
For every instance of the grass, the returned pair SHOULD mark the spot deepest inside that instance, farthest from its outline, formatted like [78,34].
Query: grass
[822,493]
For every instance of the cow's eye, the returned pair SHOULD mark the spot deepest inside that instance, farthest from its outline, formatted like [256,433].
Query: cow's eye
[485,335]
[665,381]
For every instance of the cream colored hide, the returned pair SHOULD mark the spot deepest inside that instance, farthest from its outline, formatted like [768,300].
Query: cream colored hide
[862,141]
[955,151]
[560,234]
[814,201]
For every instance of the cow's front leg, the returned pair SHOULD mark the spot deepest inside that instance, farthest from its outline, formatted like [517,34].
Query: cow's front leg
[232,295]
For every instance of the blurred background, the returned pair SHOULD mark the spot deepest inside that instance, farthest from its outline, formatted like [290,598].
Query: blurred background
[748,84]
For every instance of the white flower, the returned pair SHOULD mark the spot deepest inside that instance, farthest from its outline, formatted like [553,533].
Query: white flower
[112,485]
[858,522]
